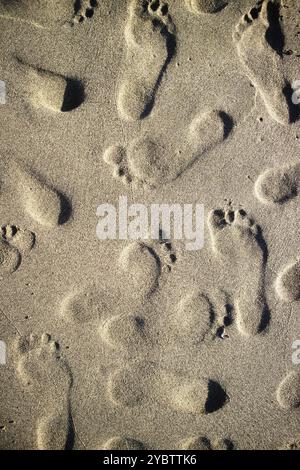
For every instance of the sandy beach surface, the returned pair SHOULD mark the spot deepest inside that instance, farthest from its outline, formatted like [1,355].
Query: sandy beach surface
[145,344]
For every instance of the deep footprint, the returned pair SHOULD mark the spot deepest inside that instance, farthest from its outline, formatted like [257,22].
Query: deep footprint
[202,396]
[42,202]
[150,45]
[237,241]
[259,41]
[44,89]
[45,374]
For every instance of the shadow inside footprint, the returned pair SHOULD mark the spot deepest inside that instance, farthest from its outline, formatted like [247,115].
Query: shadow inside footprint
[220,7]
[294,109]
[227,122]
[265,318]
[77,6]
[171,46]
[274,35]
[217,397]
[71,434]
[66,210]
[262,244]
[74,95]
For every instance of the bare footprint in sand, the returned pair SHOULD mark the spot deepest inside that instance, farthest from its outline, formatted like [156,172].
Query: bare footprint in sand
[196,319]
[131,385]
[47,90]
[288,391]
[204,443]
[46,375]
[21,239]
[122,443]
[143,265]
[259,42]
[150,162]
[198,7]
[287,284]
[128,332]
[237,241]
[41,201]
[40,13]
[10,258]
[140,268]
[15,243]
[186,395]
[278,185]
[150,45]
[141,382]
[87,305]
[143,163]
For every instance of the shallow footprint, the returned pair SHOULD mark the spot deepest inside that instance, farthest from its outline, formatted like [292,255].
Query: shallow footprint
[42,13]
[47,90]
[287,284]
[196,319]
[14,244]
[42,202]
[198,7]
[131,385]
[237,240]
[130,333]
[150,45]
[193,317]
[45,374]
[89,304]
[122,443]
[21,239]
[259,42]
[288,392]
[278,185]
[143,265]
[10,258]
[149,162]
[143,163]
[204,443]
